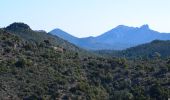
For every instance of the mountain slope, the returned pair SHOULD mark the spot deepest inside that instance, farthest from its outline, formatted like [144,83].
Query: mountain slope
[119,38]
[64,35]
[149,50]
[24,31]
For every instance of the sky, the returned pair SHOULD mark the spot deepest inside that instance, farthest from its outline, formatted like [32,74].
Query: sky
[84,18]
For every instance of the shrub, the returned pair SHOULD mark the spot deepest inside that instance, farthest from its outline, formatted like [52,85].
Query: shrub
[20,63]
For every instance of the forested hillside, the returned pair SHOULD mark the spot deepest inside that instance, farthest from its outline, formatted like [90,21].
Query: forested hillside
[47,69]
[156,48]
[24,31]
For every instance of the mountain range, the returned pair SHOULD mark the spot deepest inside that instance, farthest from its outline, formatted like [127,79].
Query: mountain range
[118,38]
[35,65]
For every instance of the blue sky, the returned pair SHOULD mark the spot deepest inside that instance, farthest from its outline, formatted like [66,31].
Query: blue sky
[86,17]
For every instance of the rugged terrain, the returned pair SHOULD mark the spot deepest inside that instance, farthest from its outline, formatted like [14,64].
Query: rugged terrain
[38,66]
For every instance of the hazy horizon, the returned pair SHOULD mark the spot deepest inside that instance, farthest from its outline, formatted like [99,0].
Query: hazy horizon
[86,18]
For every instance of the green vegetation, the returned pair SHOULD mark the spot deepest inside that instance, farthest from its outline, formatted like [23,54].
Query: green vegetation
[155,49]
[45,69]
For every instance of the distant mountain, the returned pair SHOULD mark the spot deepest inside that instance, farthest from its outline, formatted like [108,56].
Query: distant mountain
[86,43]
[118,38]
[64,35]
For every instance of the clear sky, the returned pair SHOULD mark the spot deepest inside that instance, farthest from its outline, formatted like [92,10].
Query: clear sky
[86,17]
